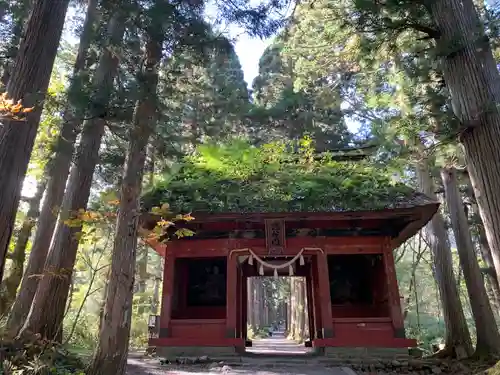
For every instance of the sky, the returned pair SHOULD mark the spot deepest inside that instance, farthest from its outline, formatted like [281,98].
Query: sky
[249,51]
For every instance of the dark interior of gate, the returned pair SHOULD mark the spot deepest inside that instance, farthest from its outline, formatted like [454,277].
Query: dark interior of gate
[346,259]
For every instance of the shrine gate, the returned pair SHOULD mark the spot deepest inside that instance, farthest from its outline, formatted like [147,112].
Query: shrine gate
[345,257]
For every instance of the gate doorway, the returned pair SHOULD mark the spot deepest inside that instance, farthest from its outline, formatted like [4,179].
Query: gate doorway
[278,317]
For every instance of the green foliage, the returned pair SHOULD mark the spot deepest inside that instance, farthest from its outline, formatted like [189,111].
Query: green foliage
[284,110]
[202,95]
[238,177]
[424,319]
[39,357]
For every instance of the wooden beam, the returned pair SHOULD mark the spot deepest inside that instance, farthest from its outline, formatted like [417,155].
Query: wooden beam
[197,342]
[393,293]
[222,247]
[324,296]
[148,220]
[368,341]
[424,214]
[318,319]
[231,296]
[310,302]
[167,295]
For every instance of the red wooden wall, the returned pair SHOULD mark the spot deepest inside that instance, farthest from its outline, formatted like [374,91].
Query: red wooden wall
[378,325]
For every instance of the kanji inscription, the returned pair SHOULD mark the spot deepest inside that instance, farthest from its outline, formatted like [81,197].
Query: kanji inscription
[275,236]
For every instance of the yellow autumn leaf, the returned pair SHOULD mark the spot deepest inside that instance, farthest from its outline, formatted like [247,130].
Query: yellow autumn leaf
[164,223]
[187,217]
[183,232]
[73,223]
[78,235]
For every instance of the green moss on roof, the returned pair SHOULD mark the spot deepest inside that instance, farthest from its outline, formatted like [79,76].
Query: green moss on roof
[238,177]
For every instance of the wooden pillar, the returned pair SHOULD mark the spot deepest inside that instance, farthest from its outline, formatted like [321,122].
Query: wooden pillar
[239,301]
[393,292]
[167,294]
[310,303]
[244,307]
[231,296]
[324,299]
[318,332]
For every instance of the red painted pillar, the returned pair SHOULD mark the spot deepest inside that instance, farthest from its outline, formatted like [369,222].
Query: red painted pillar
[239,291]
[393,293]
[231,296]
[310,303]
[167,294]
[318,333]
[324,296]
[244,307]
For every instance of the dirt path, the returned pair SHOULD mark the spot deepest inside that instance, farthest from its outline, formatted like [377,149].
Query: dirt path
[259,362]
[153,367]
[277,344]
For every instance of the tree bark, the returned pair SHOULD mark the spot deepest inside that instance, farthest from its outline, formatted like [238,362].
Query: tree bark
[257,302]
[471,74]
[58,174]
[485,249]
[22,10]
[142,273]
[52,291]
[8,288]
[488,338]
[112,349]
[29,82]
[457,341]
[156,296]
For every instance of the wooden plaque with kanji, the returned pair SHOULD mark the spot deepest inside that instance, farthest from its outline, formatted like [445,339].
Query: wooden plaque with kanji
[275,236]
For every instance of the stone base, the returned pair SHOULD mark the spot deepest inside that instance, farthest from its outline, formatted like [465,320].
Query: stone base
[213,352]
[362,353]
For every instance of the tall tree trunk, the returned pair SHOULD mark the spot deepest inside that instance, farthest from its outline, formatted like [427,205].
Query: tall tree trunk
[488,338]
[57,176]
[8,288]
[293,318]
[52,291]
[29,82]
[156,296]
[150,162]
[142,259]
[485,250]
[458,342]
[142,270]
[20,13]
[257,302]
[111,353]
[471,74]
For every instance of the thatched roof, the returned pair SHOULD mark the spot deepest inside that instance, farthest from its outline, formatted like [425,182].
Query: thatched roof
[238,178]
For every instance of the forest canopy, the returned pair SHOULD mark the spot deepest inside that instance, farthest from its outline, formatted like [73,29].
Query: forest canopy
[276,177]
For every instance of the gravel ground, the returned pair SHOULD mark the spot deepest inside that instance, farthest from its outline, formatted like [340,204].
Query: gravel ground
[263,365]
[138,366]
[261,362]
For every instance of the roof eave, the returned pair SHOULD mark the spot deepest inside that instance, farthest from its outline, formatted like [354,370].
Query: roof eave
[426,212]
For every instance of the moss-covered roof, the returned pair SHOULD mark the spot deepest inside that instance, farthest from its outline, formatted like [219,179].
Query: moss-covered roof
[239,178]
